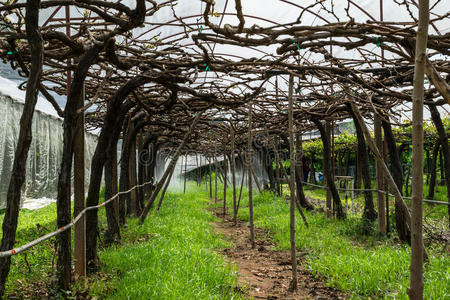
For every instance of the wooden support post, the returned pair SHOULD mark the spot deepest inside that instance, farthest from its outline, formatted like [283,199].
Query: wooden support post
[386,190]
[79,192]
[140,173]
[346,194]
[353,196]
[277,173]
[249,166]
[115,180]
[242,185]
[380,178]
[210,178]
[333,163]
[329,202]
[132,172]
[197,175]
[181,168]
[385,151]
[415,291]
[163,193]
[233,176]
[215,177]
[206,175]
[185,173]
[255,179]
[293,285]
[280,165]
[225,181]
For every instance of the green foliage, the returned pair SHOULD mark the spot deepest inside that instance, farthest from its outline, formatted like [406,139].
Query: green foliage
[347,141]
[365,265]
[313,146]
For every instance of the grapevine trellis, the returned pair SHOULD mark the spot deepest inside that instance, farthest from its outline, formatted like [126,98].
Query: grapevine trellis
[123,76]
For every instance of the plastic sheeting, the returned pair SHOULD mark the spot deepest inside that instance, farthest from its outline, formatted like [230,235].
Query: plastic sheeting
[45,153]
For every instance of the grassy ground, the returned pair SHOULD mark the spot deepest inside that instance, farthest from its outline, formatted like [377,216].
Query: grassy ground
[367,266]
[178,259]
[171,256]
[39,263]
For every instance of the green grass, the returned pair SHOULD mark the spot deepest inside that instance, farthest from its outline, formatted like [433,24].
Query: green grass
[366,266]
[171,256]
[36,263]
[177,261]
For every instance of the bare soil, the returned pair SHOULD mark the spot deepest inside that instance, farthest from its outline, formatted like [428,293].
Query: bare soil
[265,273]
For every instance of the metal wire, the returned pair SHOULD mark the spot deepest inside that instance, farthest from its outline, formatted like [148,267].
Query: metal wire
[374,190]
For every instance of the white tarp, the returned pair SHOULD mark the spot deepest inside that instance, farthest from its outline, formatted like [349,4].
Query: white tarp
[45,153]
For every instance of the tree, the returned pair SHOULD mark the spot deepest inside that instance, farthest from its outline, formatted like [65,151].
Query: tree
[369,213]
[327,170]
[10,220]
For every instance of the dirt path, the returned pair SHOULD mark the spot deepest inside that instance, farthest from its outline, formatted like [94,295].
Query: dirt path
[265,273]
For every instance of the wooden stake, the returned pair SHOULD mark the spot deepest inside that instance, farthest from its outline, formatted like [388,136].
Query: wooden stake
[415,290]
[215,177]
[385,183]
[163,193]
[255,179]
[329,211]
[185,173]
[115,181]
[233,176]
[210,179]
[132,172]
[291,179]
[249,166]
[380,179]
[225,168]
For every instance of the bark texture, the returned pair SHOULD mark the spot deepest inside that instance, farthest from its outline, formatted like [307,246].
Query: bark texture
[109,135]
[10,220]
[369,213]
[292,159]
[250,181]
[415,290]
[402,228]
[327,170]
